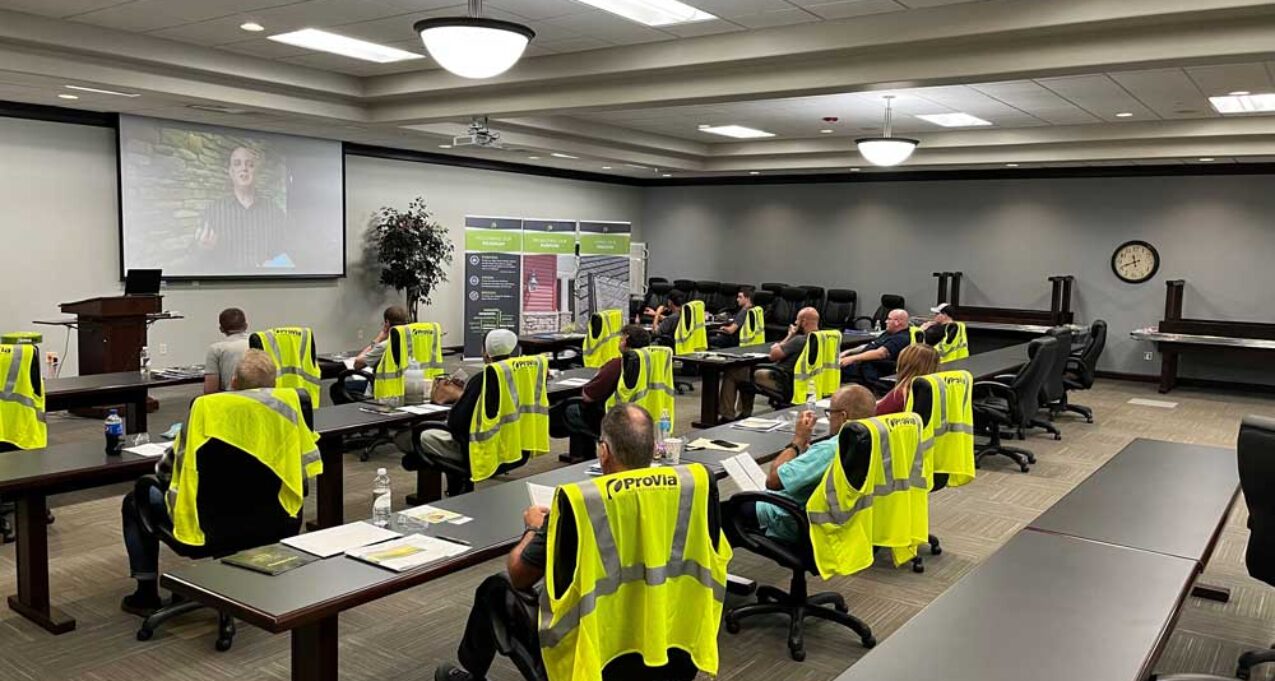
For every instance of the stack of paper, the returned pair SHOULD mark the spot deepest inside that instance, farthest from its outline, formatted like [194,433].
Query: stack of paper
[151,449]
[759,425]
[409,552]
[424,409]
[572,382]
[432,515]
[540,495]
[334,540]
[745,472]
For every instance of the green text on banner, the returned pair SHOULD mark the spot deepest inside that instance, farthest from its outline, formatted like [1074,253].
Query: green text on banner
[605,238]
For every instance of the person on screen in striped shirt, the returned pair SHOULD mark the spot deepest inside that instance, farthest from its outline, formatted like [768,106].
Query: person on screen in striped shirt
[244,231]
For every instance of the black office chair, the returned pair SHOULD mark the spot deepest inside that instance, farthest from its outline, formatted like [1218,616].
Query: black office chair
[889,301]
[654,280]
[344,391]
[656,295]
[1052,391]
[7,530]
[838,312]
[922,403]
[726,302]
[773,287]
[739,515]
[815,298]
[764,300]
[238,509]
[781,314]
[686,286]
[782,397]
[706,291]
[1011,405]
[1081,368]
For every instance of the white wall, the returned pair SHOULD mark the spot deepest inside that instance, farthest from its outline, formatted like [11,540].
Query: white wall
[58,189]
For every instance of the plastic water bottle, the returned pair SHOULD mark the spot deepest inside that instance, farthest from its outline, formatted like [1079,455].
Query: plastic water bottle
[145,362]
[114,429]
[665,430]
[877,326]
[381,500]
[414,383]
[810,396]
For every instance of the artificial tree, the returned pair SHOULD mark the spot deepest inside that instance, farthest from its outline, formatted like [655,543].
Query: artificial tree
[414,251]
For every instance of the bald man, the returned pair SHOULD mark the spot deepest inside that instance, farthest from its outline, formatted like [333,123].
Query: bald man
[867,364]
[739,384]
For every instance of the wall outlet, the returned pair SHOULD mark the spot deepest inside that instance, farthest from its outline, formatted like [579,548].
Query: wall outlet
[1147,356]
[163,348]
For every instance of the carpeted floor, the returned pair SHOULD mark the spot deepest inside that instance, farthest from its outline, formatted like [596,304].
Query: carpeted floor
[404,636]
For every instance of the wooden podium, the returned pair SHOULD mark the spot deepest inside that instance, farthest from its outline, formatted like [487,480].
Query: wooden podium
[112,331]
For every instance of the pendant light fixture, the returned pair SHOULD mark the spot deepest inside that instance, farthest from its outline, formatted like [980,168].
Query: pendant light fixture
[886,150]
[474,46]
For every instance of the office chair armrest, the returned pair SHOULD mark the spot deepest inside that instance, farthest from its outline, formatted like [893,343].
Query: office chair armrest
[141,499]
[734,507]
[1003,378]
[1080,369]
[993,389]
[345,391]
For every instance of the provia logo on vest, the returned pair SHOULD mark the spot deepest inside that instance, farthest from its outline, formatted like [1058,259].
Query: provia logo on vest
[289,332]
[649,481]
[901,420]
[954,380]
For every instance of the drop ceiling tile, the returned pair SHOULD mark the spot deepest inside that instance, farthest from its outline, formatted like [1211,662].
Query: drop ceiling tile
[326,13]
[575,44]
[269,49]
[698,28]
[844,9]
[425,5]
[58,8]
[1097,94]
[1223,78]
[608,27]
[922,4]
[1169,93]
[1033,99]
[734,8]
[783,17]
[536,10]
[214,32]
[140,16]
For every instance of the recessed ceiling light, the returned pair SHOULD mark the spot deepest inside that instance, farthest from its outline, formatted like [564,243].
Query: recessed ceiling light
[667,175]
[736,131]
[753,172]
[855,170]
[1011,165]
[66,96]
[561,155]
[1239,93]
[100,91]
[953,120]
[1239,104]
[634,165]
[606,167]
[826,131]
[252,27]
[533,158]
[314,39]
[652,12]
[444,146]
[1206,159]
[1124,114]
[703,126]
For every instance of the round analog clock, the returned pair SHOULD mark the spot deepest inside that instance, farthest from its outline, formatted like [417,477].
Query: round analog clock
[1135,261]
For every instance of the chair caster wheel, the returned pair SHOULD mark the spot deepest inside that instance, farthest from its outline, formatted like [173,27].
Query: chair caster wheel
[223,644]
[1022,467]
[1057,437]
[364,456]
[144,634]
[1243,673]
[870,642]
[918,567]
[1089,420]
[797,654]
[936,550]
[732,625]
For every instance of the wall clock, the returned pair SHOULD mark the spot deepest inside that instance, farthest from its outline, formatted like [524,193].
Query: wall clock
[1135,262]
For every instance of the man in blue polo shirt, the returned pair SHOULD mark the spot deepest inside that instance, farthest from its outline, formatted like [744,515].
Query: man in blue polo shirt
[867,364]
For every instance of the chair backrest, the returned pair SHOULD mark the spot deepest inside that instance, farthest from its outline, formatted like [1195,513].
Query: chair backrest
[889,301]
[1255,450]
[657,293]
[814,298]
[726,297]
[1093,350]
[686,286]
[773,287]
[706,291]
[782,311]
[1054,388]
[763,299]
[292,371]
[27,427]
[238,500]
[839,311]
[1030,379]
[655,280]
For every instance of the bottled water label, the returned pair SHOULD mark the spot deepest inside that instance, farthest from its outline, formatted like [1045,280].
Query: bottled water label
[381,509]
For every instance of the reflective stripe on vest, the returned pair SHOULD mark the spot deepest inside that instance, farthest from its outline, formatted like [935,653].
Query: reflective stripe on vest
[652,388]
[22,420]
[605,345]
[297,369]
[583,628]
[754,330]
[691,334]
[522,419]
[421,341]
[824,369]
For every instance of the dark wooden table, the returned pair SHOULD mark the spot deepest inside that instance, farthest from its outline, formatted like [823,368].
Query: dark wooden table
[762,446]
[712,364]
[27,478]
[128,388]
[1163,497]
[1045,607]
[987,365]
[553,343]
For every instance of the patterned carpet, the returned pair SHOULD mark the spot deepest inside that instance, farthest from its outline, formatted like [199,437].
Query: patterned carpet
[403,637]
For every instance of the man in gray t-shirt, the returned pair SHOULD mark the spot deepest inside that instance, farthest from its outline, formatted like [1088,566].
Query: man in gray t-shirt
[737,388]
[224,355]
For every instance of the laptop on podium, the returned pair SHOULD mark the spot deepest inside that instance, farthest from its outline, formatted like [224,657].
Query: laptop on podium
[142,282]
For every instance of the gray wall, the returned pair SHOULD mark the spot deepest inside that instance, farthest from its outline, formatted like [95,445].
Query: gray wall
[58,189]
[1006,235]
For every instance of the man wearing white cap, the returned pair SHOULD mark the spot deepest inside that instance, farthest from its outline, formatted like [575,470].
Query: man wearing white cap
[452,445]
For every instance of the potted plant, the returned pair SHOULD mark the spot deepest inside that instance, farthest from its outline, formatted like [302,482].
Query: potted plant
[413,250]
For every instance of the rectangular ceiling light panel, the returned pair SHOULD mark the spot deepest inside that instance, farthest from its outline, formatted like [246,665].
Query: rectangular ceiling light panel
[736,131]
[652,12]
[314,39]
[1241,104]
[953,120]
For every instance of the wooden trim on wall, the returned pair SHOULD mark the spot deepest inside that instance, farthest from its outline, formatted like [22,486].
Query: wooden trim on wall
[1186,382]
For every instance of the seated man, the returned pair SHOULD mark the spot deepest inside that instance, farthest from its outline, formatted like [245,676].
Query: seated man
[728,335]
[255,370]
[369,357]
[800,467]
[224,355]
[868,364]
[738,383]
[664,325]
[508,601]
[452,444]
[582,417]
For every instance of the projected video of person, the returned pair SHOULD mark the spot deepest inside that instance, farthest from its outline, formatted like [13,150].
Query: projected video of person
[203,201]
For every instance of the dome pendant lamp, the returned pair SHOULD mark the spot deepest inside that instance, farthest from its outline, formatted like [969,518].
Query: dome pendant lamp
[473,46]
[886,150]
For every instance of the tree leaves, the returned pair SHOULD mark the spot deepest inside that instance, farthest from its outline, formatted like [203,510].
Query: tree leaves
[414,251]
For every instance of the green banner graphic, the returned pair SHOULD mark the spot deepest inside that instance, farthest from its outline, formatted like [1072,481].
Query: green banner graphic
[493,235]
[605,238]
[556,237]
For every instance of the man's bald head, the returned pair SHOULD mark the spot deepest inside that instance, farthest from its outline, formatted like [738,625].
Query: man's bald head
[850,403]
[808,319]
[897,320]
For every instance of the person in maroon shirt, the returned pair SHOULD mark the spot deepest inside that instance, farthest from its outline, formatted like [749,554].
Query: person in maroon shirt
[582,417]
[915,360]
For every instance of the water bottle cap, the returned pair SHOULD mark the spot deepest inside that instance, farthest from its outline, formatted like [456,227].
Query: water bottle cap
[113,412]
[380,471]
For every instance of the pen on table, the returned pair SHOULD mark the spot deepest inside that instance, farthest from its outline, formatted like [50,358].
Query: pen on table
[452,539]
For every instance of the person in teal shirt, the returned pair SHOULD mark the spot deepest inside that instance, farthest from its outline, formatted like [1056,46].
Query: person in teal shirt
[798,469]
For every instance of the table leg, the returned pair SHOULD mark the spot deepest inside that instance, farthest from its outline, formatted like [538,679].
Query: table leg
[314,651]
[330,485]
[429,487]
[135,412]
[709,386]
[1168,370]
[32,601]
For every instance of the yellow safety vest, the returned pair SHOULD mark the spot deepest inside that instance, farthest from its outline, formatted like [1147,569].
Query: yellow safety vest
[753,332]
[950,424]
[690,334]
[652,388]
[916,334]
[887,506]
[648,577]
[956,348]
[522,422]
[426,342]
[292,350]
[817,361]
[265,423]
[603,344]
[21,400]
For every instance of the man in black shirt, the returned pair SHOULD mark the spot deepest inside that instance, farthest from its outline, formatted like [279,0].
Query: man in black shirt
[664,325]
[728,335]
[243,231]
[867,364]
[507,603]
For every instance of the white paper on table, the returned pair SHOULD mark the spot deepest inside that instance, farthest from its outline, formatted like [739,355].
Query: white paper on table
[409,552]
[748,476]
[540,495]
[339,539]
[424,409]
[755,354]
[572,382]
[758,425]
[432,515]
[349,363]
[150,449]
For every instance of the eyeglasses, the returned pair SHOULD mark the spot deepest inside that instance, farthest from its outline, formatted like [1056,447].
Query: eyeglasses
[830,412]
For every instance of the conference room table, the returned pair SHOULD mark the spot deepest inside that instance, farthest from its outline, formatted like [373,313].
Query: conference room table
[987,365]
[129,388]
[712,364]
[551,343]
